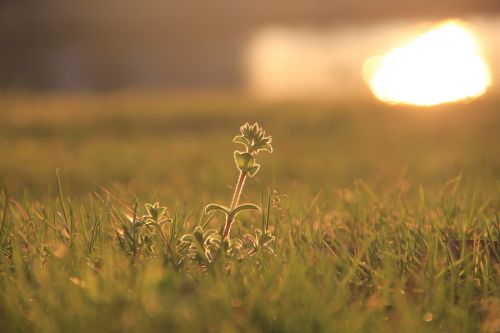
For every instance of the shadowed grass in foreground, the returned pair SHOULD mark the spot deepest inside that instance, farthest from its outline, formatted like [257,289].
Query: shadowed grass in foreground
[385,254]
[354,264]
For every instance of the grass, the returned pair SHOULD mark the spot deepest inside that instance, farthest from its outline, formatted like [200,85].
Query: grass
[370,206]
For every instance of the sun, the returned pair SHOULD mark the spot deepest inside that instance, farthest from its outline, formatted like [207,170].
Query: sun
[442,65]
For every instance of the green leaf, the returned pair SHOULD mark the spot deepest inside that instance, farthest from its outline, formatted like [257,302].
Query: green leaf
[268,147]
[266,238]
[155,211]
[253,170]
[243,160]
[212,207]
[241,139]
[243,207]
[198,234]
[254,138]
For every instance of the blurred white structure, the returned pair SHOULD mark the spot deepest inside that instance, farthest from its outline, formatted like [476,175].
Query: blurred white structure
[305,63]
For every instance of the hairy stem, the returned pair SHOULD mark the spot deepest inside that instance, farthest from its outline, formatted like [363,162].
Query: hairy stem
[238,190]
[236,198]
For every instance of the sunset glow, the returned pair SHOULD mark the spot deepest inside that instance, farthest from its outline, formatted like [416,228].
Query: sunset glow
[439,66]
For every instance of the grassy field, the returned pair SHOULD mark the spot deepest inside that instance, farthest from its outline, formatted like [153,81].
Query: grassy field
[386,219]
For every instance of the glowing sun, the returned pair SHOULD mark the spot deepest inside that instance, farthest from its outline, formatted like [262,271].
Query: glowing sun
[442,65]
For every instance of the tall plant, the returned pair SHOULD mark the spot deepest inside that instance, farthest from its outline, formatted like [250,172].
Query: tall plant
[254,140]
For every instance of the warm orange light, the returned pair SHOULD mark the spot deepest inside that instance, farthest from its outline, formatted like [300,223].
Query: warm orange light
[441,65]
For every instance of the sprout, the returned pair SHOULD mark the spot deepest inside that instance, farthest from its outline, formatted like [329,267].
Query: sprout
[254,139]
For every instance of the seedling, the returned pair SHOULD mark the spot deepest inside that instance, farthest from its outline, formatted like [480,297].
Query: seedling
[254,139]
[142,231]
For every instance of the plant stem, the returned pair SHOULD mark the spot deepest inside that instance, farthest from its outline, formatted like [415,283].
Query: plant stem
[238,190]
[236,198]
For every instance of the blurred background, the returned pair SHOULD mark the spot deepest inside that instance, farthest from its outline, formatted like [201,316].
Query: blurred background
[145,96]
[174,44]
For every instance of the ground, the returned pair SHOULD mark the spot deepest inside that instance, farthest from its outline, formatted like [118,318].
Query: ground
[385,218]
